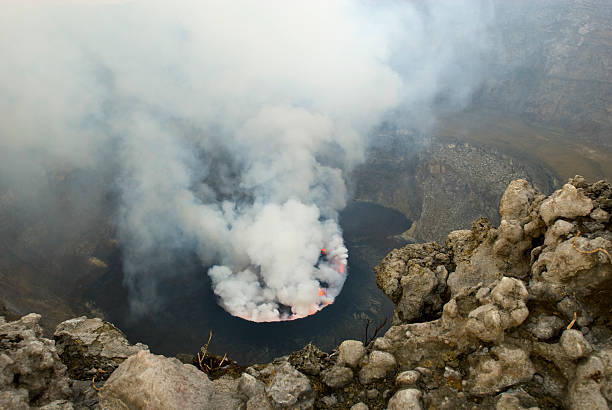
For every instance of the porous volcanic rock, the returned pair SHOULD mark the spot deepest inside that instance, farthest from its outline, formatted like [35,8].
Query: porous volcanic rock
[516,400]
[511,292]
[337,376]
[287,387]
[31,372]
[378,365]
[573,343]
[250,386]
[151,381]
[351,352]
[414,277]
[585,389]
[545,327]
[504,366]
[407,378]
[308,360]
[86,345]
[407,399]
[567,202]
[514,204]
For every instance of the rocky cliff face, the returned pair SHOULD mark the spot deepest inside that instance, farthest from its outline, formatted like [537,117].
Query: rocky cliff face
[555,65]
[441,184]
[53,247]
[513,317]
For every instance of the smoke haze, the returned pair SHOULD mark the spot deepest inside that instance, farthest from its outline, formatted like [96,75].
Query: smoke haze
[227,128]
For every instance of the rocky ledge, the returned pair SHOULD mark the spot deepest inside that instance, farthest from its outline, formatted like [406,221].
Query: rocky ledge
[513,317]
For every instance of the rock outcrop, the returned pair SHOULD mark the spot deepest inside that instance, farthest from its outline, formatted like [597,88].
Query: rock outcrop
[527,305]
[148,381]
[31,372]
[88,345]
[513,317]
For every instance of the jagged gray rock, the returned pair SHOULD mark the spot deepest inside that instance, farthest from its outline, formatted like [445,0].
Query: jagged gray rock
[510,295]
[407,399]
[516,400]
[226,393]
[508,309]
[329,401]
[307,360]
[86,345]
[605,355]
[414,277]
[585,387]
[250,386]
[563,262]
[599,215]
[289,388]
[485,323]
[557,231]
[566,202]
[350,352]
[29,365]
[545,326]
[379,365]
[145,380]
[568,275]
[514,203]
[407,378]
[337,376]
[476,262]
[58,405]
[16,399]
[574,344]
[506,366]
[259,402]
[417,285]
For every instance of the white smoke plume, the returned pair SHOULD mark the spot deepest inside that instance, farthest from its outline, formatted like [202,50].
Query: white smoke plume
[233,124]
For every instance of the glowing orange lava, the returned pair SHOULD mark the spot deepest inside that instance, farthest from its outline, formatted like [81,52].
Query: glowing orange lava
[336,263]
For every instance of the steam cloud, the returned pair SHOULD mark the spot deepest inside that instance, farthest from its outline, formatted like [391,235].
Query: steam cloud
[233,125]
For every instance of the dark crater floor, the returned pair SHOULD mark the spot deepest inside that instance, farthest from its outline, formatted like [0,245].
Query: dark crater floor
[187,309]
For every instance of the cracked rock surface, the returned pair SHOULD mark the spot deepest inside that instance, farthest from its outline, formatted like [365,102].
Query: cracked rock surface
[86,345]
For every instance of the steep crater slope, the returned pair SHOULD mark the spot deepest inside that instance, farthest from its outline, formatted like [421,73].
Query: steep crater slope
[554,66]
[441,183]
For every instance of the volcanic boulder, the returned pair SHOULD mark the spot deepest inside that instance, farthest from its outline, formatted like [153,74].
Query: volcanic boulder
[351,352]
[337,376]
[567,202]
[407,399]
[287,387]
[31,372]
[86,345]
[150,381]
[379,365]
